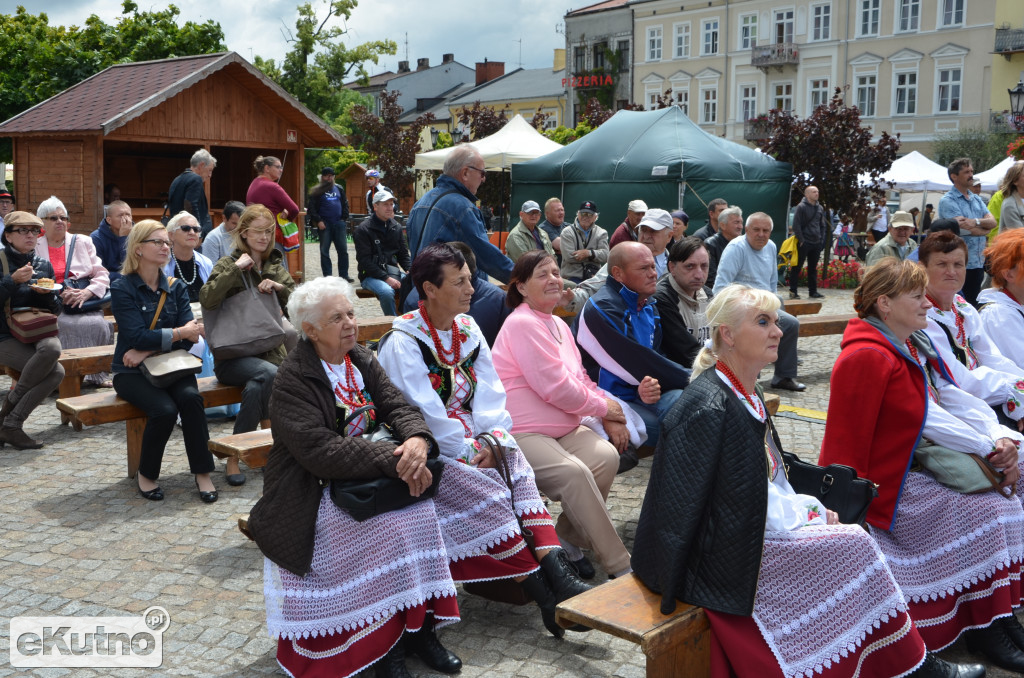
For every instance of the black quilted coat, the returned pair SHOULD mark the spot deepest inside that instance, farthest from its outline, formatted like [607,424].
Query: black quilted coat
[701,529]
[307,449]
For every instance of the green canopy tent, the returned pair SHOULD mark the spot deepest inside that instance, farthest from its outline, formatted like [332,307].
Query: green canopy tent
[662,158]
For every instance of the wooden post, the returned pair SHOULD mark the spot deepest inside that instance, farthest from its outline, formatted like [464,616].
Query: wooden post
[134,428]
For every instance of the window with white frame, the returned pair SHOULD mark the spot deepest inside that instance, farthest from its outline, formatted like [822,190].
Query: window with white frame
[654,43]
[818,93]
[782,97]
[748,31]
[681,99]
[870,16]
[909,15]
[681,41]
[949,80]
[951,13]
[748,102]
[821,22]
[579,59]
[708,105]
[709,42]
[784,25]
[905,99]
[867,94]
[652,97]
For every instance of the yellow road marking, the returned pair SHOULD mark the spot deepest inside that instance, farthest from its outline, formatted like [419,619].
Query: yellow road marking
[803,412]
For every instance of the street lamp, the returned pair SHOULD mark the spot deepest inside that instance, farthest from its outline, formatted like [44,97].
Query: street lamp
[433,137]
[457,136]
[1017,105]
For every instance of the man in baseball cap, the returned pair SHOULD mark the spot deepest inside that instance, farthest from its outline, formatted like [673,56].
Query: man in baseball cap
[373,181]
[381,252]
[328,211]
[627,230]
[655,231]
[584,245]
[6,202]
[526,236]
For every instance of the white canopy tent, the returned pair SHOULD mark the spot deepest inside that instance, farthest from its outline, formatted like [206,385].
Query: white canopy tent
[915,172]
[517,141]
[991,178]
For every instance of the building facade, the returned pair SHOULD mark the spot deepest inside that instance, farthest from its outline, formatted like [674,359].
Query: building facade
[599,55]
[916,67]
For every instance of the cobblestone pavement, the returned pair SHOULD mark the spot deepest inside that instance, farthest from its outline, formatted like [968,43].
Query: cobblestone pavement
[76,539]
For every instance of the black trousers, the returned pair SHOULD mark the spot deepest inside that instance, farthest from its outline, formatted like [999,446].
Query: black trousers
[972,285]
[811,253]
[162,407]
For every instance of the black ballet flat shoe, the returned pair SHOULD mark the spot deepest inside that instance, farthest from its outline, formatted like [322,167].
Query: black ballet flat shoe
[993,643]
[156,494]
[425,645]
[235,479]
[206,497]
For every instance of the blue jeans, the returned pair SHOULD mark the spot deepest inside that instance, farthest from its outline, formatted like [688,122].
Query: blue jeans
[653,414]
[385,293]
[335,233]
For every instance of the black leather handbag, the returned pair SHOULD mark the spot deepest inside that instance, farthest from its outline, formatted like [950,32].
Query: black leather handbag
[364,499]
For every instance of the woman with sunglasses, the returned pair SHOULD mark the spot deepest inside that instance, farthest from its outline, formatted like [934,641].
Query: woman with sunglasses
[136,298]
[78,268]
[37,362]
[185,263]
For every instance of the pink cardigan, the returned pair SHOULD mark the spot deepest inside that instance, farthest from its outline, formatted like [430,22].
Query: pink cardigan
[546,389]
[84,264]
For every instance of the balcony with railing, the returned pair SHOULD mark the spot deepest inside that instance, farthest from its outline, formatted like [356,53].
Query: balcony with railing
[1009,41]
[756,129]
[776,55]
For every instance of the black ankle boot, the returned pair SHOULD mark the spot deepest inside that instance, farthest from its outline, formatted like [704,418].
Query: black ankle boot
[993,643]
[936,667]
[392,665]
[537,588]
[6,409]
[562,576]
[425,645]
[1013,630]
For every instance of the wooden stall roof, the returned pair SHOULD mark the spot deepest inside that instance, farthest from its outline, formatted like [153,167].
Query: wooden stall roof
[108,100]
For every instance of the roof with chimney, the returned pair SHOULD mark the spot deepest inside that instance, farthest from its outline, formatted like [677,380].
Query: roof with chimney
[522,83]
[428,81]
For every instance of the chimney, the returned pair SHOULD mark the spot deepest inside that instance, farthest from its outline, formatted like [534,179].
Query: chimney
[559,60]
[403,67]
[447,58]
[422,64]
[489,70]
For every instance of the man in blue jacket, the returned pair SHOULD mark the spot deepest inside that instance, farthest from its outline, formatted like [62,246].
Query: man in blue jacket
[111,235]
[328,209]
[619,334]
[449,212]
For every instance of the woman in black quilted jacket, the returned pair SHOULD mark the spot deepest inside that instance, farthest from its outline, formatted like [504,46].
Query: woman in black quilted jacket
[788,590]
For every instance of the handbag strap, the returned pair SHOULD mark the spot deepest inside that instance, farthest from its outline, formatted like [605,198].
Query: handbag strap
[160,306]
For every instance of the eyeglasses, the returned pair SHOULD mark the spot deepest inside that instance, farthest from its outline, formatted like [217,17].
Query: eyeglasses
[190,229]
[159,242]
[5,201]
[55,218]
[481,171]
[280,167]
[27,231]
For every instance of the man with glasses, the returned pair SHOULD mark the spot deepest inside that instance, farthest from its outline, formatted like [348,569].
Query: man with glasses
[449,212]
[111,236]
[188,193]
[6,203]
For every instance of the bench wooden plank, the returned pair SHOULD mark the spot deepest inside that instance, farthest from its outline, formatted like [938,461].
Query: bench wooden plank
[801,306]
[372,329]
[675,645]
[821,325]
[252,447]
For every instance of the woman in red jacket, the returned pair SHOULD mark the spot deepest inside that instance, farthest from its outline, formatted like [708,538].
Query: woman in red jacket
[266,190]
[956,556]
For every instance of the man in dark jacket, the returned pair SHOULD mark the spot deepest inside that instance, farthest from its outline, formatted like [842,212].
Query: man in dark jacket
[683,298]
[715,208]
[619,334]
[328,209]
[810,227]
[188,193]
[111,235]
[730,227]
[453,214]
[380,251]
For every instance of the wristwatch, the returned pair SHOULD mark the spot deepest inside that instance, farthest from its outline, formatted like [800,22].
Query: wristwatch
[977,222]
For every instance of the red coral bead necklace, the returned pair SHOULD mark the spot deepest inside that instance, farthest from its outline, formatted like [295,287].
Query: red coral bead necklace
[724,369]
[456,350]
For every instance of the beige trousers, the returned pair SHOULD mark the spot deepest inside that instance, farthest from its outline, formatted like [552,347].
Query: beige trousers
[578,470]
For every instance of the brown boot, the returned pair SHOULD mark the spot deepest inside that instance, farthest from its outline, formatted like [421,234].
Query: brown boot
[17,438]
[8,406]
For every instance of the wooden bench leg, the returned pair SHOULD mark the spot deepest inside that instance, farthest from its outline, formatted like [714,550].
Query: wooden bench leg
[134,429]
[682,652]
[70,386]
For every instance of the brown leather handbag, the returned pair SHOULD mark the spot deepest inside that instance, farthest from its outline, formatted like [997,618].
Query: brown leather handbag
[27,325]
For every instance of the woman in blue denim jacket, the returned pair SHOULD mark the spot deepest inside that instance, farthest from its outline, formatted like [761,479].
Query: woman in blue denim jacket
[134,299]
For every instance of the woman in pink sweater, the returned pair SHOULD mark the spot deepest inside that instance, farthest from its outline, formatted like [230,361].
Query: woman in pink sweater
[548,395]
[266,190]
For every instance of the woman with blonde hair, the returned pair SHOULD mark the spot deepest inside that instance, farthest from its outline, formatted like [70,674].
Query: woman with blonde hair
[957,557]
[1011,213]
[253,264]
[136,299]
[722,528]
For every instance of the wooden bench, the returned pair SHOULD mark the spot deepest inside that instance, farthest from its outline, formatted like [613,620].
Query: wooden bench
[252,447]
[801,306]
[372,329]
[676,645]
[821,325]
[107,408]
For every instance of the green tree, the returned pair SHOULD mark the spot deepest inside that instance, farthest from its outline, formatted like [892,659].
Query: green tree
[41,60]
[830,149]
[315,68]
[985,149]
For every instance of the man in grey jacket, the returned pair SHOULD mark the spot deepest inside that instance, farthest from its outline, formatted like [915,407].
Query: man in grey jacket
[810,227]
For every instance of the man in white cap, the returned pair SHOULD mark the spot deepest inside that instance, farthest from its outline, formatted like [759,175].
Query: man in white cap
[373,181]
[626,231]
[584,245]
[526,236]
[897,242]
[655,231]
[381,252]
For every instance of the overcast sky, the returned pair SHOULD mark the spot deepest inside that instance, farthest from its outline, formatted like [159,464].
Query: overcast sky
[433,27]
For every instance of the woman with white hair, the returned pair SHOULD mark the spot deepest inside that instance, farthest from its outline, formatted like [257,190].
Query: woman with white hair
[787,589]
[78,268]
[343,594]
